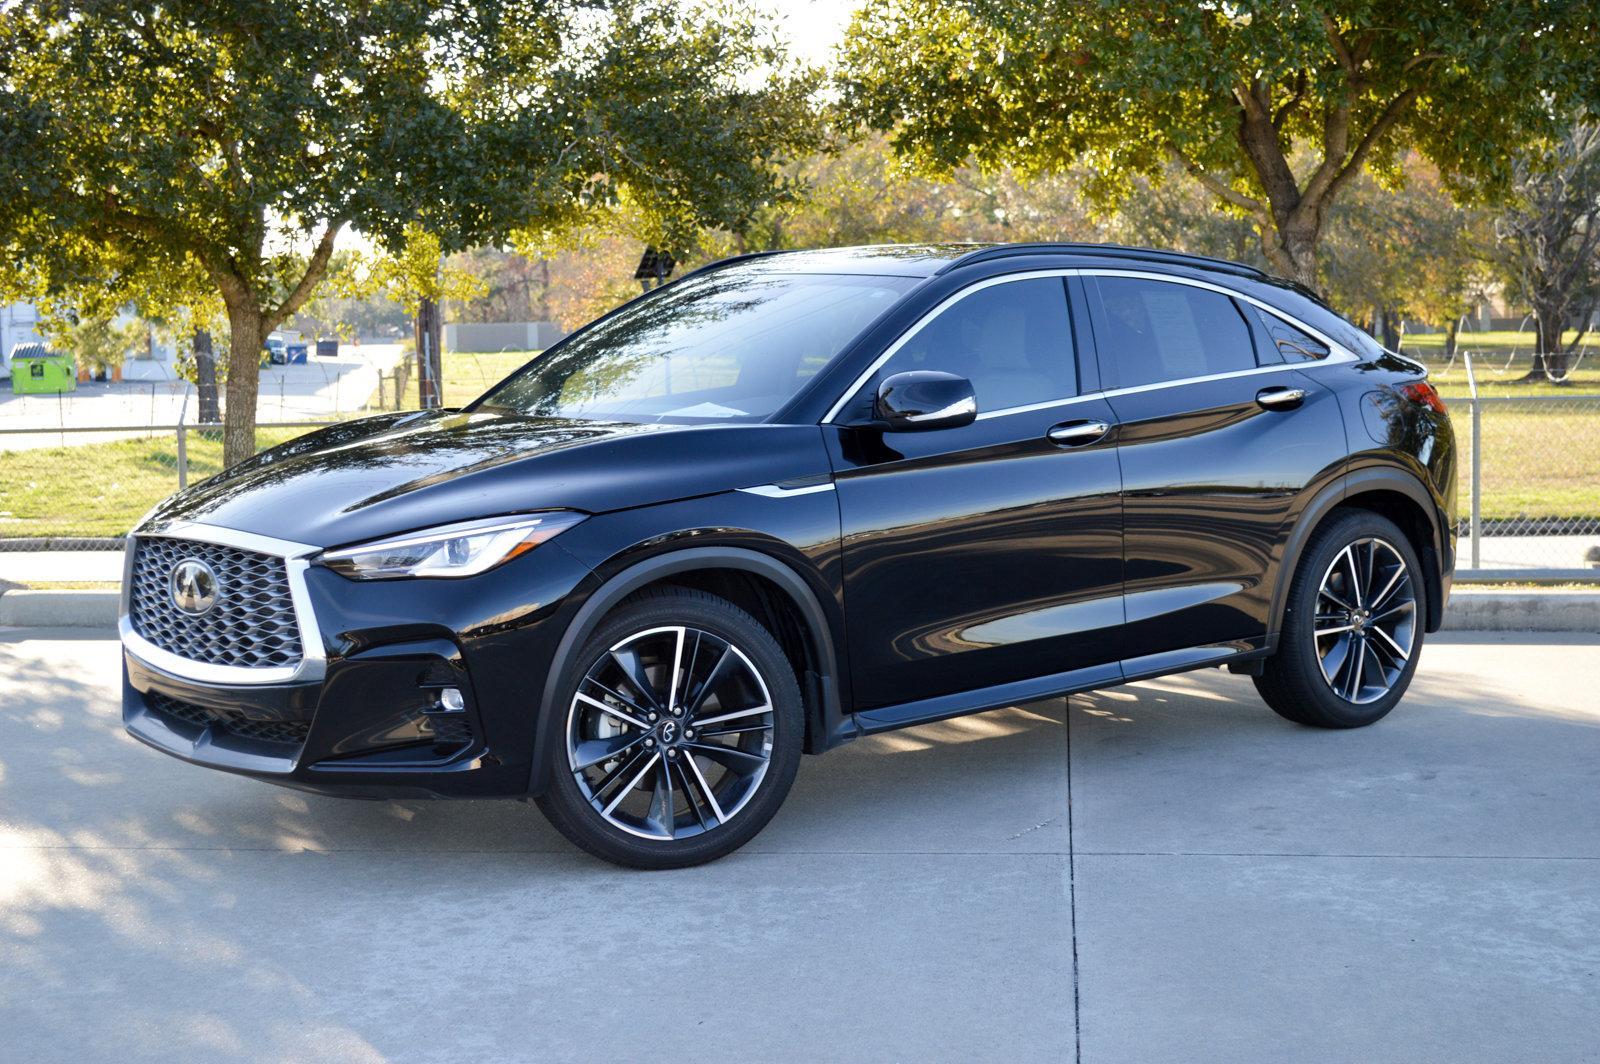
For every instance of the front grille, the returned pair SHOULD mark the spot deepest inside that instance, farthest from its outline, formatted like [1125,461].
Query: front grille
[251,626]
[235,723]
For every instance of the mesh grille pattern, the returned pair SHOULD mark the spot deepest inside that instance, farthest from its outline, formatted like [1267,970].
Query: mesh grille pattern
[454,730]
[267,731]
[251,626]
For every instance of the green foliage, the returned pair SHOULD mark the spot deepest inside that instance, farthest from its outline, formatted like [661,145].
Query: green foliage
[1229,92]
[152,147]
[1408,250]
[98,342]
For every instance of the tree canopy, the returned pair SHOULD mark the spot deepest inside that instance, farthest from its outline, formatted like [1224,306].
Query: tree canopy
[145,138]
[1228,92]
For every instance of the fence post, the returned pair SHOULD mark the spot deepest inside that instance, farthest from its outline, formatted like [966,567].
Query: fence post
[183,442]
[1477,465]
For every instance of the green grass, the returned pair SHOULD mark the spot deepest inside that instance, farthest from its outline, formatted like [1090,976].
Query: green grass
[1539,460]
[101,489]
[1498,360]
[467,376]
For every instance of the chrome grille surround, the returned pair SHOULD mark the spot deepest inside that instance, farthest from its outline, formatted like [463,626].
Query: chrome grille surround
[232,643]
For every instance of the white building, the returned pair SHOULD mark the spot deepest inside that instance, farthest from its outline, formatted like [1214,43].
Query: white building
[19,324]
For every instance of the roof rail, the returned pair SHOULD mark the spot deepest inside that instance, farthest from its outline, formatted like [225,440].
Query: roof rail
[1121,251]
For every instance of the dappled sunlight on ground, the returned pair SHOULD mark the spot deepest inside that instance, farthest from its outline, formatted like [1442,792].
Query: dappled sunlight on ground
[181,913]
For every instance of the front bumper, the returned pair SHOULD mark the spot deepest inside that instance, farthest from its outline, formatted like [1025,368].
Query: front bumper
[366,720]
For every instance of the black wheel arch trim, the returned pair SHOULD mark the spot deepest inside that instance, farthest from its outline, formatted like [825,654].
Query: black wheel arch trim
[1354,482]
[828,726]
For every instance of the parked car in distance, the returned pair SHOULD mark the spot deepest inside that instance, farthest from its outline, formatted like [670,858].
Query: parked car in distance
[275,350]
[793,499]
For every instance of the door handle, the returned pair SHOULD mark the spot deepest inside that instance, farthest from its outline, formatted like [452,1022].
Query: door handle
[1280,398]
[1078,433]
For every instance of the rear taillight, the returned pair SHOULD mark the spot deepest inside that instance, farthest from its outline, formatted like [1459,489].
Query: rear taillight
[1425,394]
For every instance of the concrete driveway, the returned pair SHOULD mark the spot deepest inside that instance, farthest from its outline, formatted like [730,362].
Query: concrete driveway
[1222,886]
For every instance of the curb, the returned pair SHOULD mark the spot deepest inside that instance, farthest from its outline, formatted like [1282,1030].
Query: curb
[60,609]
[1523,611]
[1469,611]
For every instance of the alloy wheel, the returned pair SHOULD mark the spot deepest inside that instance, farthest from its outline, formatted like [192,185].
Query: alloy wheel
[669,734]
[1366,617]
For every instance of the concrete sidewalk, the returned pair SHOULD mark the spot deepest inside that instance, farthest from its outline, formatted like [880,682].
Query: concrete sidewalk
[1160,872]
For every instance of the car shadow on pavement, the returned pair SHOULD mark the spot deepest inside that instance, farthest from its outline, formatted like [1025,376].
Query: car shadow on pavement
[153,898]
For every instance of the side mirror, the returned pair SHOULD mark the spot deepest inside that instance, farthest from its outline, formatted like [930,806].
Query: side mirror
[925,399]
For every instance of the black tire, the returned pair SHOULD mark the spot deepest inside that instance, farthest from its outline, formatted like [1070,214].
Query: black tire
[1293,681]
[569,808]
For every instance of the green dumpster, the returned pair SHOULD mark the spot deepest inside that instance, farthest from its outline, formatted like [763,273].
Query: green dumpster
[35,370]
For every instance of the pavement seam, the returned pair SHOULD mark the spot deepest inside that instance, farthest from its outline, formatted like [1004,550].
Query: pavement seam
[1343,856]
[1072,899]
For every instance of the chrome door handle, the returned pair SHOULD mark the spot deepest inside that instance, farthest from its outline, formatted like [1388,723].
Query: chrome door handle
[1078,433]
[1280,398]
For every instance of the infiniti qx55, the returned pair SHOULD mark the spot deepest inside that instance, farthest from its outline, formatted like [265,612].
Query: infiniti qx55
[793,499]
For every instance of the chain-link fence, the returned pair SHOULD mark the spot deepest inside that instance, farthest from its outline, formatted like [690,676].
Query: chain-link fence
[1529,468]
[1529,485]
[78,469]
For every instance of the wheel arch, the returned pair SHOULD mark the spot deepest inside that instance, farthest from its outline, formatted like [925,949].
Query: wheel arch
[1392,493]
[764,586]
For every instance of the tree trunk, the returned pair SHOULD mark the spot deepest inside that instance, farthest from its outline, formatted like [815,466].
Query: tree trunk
[1450,338]
[1387,320]
[205,373]
[1291,250]
[248,331]
[1549,360]
[428,334]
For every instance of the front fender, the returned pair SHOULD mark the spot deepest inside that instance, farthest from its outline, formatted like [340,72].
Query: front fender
[791,542]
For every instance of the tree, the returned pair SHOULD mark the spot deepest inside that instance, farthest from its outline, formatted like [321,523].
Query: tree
[419,280]
[95,343]
[1548,244]
[243,138]
[1227,91]
[1405,252]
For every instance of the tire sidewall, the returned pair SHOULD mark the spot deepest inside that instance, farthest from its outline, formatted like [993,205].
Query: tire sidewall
[571,812]
[1300,618]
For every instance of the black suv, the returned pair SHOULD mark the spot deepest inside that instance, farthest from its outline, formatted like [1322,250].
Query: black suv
[793,499]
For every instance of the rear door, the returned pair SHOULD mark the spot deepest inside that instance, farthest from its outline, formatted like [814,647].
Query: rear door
[1215,451]
[990,553]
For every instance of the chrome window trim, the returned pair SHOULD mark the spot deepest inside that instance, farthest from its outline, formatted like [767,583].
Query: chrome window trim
[296,560]
[1338,354]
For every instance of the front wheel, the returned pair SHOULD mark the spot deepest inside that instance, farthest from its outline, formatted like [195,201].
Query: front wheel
[1352,632]
[682,733]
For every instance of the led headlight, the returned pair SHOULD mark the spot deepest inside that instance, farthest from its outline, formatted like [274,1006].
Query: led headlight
[464,549]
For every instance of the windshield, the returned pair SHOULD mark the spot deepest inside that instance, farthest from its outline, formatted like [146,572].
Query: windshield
[728,345]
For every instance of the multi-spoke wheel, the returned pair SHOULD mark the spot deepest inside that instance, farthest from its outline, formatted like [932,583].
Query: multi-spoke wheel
[681,735]
[1365,621]
[1353,628]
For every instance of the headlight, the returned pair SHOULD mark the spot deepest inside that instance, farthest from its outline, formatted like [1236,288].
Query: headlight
[464,549]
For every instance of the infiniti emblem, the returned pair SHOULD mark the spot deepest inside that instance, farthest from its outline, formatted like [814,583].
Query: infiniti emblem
[194,586]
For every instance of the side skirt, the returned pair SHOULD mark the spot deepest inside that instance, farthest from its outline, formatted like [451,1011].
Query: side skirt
[943,707]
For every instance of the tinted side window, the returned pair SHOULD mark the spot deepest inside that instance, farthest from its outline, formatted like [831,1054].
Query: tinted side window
[1154,331]
[1295,345]
[1013,341]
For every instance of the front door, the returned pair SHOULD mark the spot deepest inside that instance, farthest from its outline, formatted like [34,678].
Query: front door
[989,553]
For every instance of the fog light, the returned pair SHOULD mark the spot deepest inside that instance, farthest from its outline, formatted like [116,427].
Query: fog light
[450,700]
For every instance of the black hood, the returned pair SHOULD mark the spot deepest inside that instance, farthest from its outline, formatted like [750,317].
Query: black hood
[396,472]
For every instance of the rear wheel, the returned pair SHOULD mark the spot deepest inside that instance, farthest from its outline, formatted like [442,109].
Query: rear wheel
[681,736]
[1352,632]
